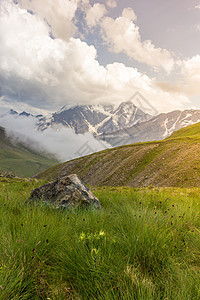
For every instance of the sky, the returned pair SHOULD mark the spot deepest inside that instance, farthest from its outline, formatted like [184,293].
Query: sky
[67,52]
[58,52]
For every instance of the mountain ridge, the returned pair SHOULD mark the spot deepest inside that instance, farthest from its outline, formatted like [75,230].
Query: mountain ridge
[117,125]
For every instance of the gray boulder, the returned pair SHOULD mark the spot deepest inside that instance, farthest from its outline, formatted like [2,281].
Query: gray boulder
[67,191]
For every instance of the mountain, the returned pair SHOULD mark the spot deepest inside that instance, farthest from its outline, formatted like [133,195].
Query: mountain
[121,125]
[99,119]
[156,128]
[170,162]
[20,159]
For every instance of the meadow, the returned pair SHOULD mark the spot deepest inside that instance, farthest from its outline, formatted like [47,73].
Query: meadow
[143,244]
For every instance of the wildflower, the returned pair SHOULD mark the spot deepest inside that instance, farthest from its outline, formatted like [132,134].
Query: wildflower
[101,233]
[82,236]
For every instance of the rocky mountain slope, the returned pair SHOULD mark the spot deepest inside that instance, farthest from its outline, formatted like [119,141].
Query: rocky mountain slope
[97,119]
[157,128]
[170,162]
[21,160]
[120,125]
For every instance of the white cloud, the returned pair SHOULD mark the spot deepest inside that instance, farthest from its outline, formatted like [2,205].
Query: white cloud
[47,73]
[95,14]
[198,27]
[122,35]
[191,75]
[188,82]
[197,6]
[63,142]
[59,14]
[128,13]
[112,3]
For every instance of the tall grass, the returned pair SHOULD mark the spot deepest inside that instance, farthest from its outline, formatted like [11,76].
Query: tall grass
[143,244]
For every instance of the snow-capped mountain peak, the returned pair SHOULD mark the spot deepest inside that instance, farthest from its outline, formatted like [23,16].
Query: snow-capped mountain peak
[125,123]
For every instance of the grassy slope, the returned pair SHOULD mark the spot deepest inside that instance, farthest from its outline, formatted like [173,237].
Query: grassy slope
[22,161]
[143,244]
[171,162]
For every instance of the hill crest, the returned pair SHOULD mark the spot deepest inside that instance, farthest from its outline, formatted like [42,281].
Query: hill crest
[170,162]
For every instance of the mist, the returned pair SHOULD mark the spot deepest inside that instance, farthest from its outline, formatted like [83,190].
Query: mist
[61,142]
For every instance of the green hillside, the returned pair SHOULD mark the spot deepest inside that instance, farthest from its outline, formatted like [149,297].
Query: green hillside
[172,162]
[19,159]
[192,131]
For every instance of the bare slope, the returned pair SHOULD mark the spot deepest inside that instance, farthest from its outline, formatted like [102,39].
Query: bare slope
[171,162]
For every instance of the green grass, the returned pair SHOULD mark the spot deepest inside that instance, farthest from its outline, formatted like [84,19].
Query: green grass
[192,131]
[24,163]
[143,244]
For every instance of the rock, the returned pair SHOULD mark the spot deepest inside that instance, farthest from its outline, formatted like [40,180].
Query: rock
[67,191]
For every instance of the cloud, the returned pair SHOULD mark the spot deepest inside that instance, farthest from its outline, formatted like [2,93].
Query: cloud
[48,73]
[129,14]
[111,3]
[188,83]
[95,14]
[197,6]
[61,142]
[198,27]
[191,74]
[122,35]
[58,14]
